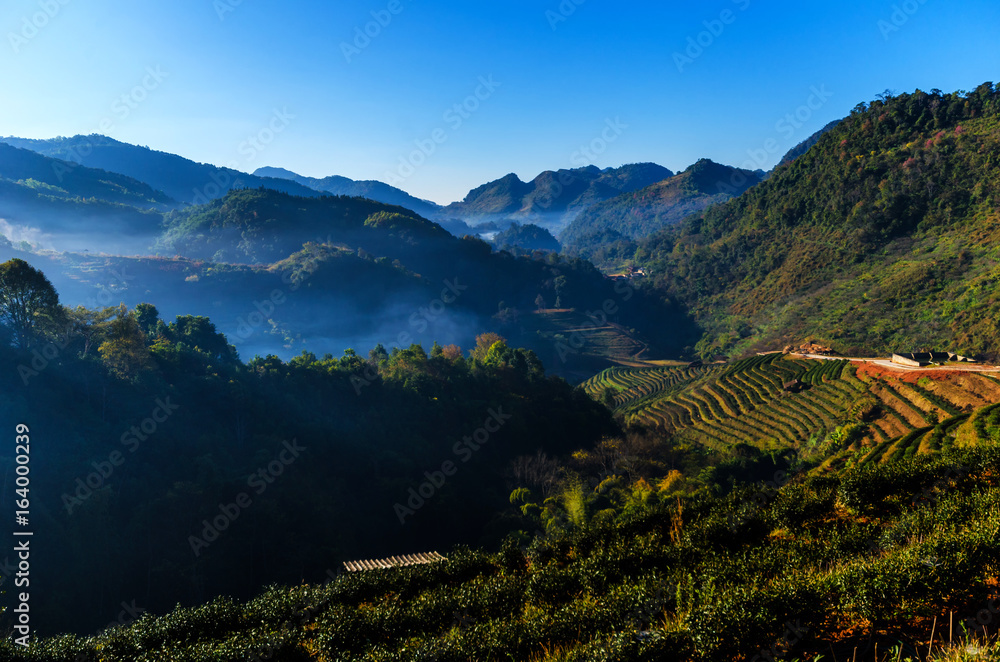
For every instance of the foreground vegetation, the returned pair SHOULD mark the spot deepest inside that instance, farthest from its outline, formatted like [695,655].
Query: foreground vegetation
[811,561]
[149,430]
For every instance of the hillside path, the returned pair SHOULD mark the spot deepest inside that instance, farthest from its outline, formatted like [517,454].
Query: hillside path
[886,363]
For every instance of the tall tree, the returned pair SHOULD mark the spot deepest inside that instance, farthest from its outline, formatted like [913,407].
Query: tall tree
[484,342]
[91,326]
[125,352]
[28,302]
[148,318]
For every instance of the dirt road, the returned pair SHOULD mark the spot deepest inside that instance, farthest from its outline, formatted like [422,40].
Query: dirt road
[886,363]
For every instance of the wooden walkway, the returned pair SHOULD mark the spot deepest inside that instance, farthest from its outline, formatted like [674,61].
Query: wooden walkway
[393,562]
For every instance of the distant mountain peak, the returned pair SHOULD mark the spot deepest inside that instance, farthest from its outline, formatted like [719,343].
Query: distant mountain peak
[553,197]
[636,214]
[279,173]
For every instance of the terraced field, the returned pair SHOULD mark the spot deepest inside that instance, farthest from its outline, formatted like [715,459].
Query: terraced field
[632,385]
[607,341]
[880,415]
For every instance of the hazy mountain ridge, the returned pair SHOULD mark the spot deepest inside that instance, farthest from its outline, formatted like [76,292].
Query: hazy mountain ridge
[527,237]
[60,178]
[552,198]
[59,204]
[262,227]
[230,247]
[184,180]
[637,214]
[337,185]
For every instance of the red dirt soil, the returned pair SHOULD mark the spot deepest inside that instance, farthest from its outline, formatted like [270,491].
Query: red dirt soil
[909,376]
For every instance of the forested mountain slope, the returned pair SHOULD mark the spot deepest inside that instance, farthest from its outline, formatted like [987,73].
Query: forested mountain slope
[184,180]
[882,236]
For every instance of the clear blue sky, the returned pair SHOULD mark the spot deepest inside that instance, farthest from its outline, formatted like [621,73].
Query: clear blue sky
[227,66]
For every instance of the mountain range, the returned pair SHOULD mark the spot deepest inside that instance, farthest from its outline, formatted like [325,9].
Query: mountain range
[553,198]
[373,190]
[637,214]
[185,181]
[882,215]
